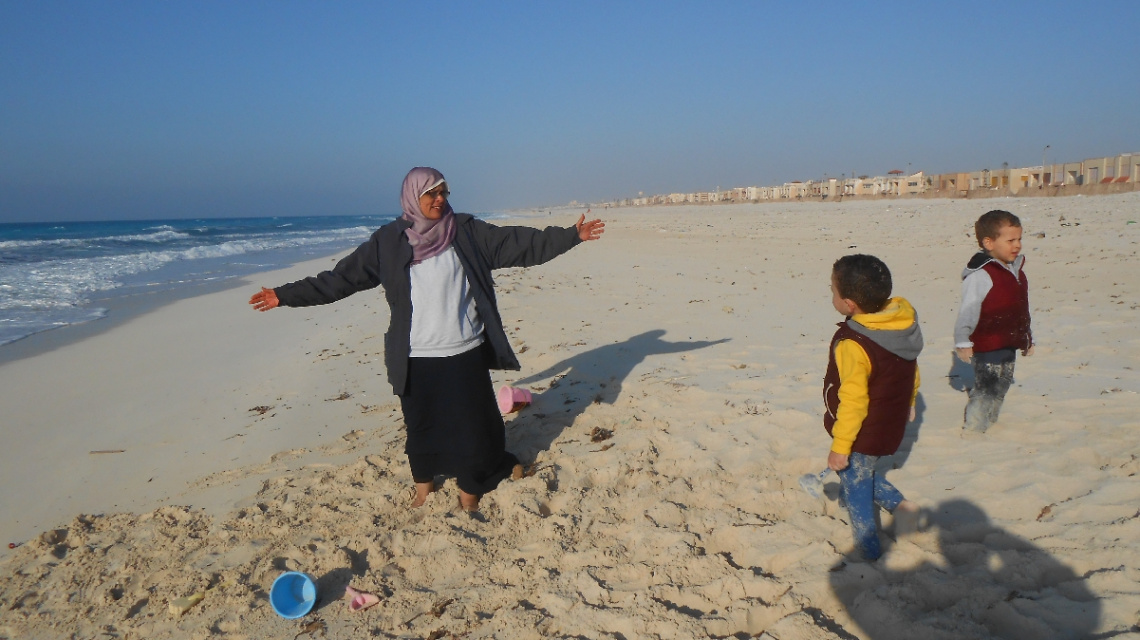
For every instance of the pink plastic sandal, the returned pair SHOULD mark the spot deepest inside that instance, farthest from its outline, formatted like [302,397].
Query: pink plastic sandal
[360,600]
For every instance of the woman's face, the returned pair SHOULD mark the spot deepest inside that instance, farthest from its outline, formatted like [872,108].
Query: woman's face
[434,201]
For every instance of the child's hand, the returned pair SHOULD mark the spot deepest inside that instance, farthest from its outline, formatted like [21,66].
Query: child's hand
[965,353]
[1027,352]
[836,461]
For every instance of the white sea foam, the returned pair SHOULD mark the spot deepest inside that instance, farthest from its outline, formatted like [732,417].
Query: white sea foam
[12,245]
[165,235]
[50,282]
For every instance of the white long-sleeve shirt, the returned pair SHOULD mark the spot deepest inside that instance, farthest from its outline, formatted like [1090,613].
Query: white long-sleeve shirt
[444,319]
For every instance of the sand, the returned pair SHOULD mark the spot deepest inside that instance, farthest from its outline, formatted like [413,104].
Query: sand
[676,367]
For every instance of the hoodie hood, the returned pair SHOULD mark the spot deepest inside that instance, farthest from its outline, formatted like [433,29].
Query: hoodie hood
[979,260]
[895,328]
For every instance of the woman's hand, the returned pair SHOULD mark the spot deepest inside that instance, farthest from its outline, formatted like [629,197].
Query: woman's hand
[265,300]
[591,230]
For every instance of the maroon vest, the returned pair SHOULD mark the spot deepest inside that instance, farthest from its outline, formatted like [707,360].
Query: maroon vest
[1004,319]
[890,388]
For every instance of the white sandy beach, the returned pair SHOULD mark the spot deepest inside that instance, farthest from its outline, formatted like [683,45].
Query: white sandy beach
[204,447]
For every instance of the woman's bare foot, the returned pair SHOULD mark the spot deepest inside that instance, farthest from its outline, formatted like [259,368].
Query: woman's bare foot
[423,489]
[468,501]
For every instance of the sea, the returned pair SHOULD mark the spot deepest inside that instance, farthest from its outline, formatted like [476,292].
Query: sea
[59,274]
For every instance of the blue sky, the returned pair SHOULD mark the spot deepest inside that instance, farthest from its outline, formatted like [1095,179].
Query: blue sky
[196,109]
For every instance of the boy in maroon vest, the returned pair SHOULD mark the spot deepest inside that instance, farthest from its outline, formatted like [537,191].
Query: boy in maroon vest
[869,391]
[993,322]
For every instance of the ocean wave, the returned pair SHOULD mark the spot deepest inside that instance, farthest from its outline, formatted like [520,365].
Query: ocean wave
[165,235]
[48,282]
[65,283]
[169,235]
[69,282]
[12,245]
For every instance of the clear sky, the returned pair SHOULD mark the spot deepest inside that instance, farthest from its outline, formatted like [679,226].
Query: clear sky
[115,109]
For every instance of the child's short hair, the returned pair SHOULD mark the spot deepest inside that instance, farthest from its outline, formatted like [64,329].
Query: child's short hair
[864,279]
[991,223]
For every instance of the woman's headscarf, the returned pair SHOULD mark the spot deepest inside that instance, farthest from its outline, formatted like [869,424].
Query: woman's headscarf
[428,238]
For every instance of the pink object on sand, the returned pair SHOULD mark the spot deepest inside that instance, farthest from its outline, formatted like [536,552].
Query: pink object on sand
[360,600]
[512,399]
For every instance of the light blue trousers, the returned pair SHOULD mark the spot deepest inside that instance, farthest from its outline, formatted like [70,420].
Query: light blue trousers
[860,489]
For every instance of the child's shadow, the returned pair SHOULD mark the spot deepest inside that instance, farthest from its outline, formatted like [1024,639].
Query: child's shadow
[590,377]
[910,438]
[961,375]
[988,583]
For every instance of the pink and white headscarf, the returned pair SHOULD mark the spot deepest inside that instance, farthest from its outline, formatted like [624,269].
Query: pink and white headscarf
[428,238]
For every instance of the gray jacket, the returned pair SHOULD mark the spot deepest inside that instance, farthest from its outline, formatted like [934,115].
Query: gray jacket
[385,258]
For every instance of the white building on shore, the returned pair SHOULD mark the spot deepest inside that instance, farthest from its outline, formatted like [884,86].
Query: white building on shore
[1093,175]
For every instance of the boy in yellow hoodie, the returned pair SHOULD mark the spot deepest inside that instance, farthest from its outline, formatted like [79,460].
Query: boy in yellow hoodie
[869,390]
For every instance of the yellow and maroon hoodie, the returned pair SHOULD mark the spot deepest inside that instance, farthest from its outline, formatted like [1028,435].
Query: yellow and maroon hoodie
[872,379]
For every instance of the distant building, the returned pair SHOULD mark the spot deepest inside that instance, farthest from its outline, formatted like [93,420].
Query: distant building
[1122,168]
[1093,175]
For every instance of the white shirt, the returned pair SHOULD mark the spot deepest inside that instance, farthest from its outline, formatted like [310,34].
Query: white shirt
[444,320]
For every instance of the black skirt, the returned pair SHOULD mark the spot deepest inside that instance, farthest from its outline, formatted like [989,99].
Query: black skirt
[454,425]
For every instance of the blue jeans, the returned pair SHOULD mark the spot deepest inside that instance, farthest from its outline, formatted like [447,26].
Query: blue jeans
[860,489]
[991,382]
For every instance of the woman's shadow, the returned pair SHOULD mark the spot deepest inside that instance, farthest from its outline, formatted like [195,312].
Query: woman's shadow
[590,377]
[988,583]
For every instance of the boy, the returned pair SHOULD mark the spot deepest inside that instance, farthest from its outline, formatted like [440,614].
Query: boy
[869,390]
[993,322]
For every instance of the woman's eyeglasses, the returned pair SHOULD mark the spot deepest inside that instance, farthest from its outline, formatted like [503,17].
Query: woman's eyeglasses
[438,192]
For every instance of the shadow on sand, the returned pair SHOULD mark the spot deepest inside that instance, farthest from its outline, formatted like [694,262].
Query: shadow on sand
[987,583]
[330,586]
[961,374]
[590,377]
[910,438]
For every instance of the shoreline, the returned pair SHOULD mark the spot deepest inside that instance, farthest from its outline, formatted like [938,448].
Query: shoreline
[123,308]
[253,443]
[120,310]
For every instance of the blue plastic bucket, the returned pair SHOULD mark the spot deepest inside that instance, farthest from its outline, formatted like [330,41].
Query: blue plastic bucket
[293,594]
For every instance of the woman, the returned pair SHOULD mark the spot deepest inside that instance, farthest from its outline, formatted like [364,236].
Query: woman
[445,331]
